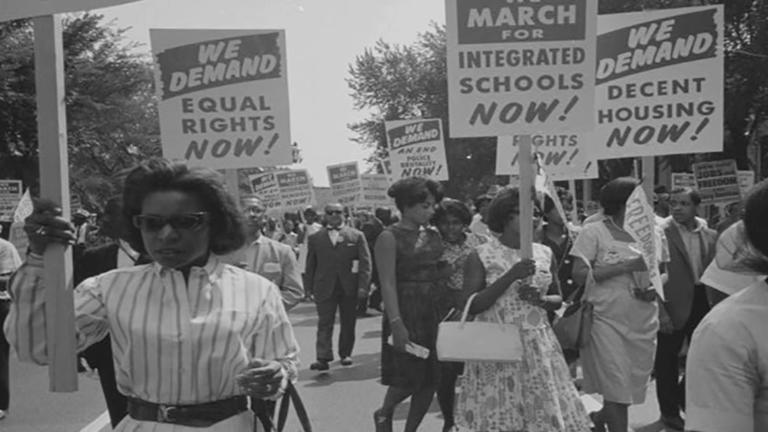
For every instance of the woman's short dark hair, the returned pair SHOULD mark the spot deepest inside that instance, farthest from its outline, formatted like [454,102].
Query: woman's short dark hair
[755,215]
[502,207]
[452,207]
[157,175]
[613,196]
[410,191]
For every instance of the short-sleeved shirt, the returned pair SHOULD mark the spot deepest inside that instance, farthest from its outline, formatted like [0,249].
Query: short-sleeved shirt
[727,368]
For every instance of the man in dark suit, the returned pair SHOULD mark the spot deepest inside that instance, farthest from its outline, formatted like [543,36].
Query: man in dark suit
[691,249]
[339,274]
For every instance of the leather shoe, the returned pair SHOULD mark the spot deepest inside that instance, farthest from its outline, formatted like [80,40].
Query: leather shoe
[346,361]
[673,422]
[320,365]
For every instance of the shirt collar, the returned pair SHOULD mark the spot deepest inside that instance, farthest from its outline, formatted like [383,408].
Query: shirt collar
[259,241]
[698,226]
[212,268]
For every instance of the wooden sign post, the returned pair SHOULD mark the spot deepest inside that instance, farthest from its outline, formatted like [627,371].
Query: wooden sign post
[574,207]
[526,196]
[649,176]
[54,182]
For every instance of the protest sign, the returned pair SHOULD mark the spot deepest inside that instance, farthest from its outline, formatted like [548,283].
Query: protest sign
[417,149]
[564,157]
[683,180]
[520,67]
[718,181]
[374,189]
[659,83]
[746,181]
[344,180]
[15,9]
[322,197]
[640,223]
[265,187]
[10,194]
[295,190]
[223,97]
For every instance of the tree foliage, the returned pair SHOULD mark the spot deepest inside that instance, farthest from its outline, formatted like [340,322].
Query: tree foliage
[406,81]
[112,118]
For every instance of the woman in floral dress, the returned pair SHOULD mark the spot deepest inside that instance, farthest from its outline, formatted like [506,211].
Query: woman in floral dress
[535,394]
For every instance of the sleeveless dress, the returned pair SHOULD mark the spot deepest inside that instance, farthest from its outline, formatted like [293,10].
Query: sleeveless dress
[421,284]
[535,394]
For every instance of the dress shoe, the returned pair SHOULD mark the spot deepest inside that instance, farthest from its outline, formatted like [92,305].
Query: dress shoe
[346,361]
[675,423]
[382,422]
[598,425]
[320,365]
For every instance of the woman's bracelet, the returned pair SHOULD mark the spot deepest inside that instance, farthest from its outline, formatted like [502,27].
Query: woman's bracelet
[395,319]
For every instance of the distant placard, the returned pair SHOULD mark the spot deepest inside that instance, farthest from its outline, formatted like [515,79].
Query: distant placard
[344,180]
[717,181]
[374,191]
[683,180]
[10,195]
[15,9]
[417,148]
[563,156]
[295,190]
[746,182]
[264,186]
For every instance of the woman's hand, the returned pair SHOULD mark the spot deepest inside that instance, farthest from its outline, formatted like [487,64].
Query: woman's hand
[636,264]
[45,226]
[530,294]
[522,270]
[263,379]
[400,337]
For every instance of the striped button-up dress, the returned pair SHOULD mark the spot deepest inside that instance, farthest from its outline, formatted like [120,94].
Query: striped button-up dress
[175,342]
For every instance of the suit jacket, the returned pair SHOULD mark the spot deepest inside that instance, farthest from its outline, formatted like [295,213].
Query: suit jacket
[274,261]
[679,287]
[327,264]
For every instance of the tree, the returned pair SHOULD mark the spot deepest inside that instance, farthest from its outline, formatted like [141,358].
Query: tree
[405,81]
[112,121]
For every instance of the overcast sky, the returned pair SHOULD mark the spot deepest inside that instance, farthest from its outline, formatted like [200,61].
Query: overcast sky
[323,38]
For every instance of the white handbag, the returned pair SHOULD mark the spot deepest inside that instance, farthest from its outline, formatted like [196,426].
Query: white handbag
[478,341]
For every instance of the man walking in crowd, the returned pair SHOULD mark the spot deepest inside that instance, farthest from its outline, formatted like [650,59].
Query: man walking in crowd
[269,258]
[94,261]
[338,274]
[692,248]
[9,262]
[311,226]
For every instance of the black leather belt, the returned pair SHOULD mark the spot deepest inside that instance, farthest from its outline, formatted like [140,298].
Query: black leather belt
[199,415]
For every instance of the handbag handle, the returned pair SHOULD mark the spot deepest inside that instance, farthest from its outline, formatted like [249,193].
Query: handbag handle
[465,313]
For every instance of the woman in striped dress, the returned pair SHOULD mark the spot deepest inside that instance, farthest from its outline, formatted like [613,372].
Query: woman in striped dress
[191,336]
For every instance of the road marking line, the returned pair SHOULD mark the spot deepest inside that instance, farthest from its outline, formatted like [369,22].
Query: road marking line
[98,424]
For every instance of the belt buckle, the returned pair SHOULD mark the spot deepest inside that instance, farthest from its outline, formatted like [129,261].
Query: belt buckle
[165,414]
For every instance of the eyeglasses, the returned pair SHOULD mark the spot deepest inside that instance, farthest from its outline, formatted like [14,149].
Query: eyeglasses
[333,212]
[188,221]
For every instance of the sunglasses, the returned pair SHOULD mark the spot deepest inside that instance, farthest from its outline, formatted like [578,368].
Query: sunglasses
[188,221]
[333,212]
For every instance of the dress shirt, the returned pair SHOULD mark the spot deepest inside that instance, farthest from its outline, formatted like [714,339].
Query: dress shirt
[175,342]
[693,247]
[334,235]
[727,367]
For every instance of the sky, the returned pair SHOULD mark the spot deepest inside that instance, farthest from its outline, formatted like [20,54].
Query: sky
[322,38]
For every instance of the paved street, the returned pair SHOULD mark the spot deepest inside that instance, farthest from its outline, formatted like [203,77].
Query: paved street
[340,401]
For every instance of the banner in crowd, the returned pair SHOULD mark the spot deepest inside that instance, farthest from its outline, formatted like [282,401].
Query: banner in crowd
[344,180]
[295,190]
[683,180]
[659,83]
[746,181]
[520,67]
[417,149]
[564,157]
[10,195]
[374,189]
[717,181]
[640,223]
[15,9]
[223,97]
[265,187]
